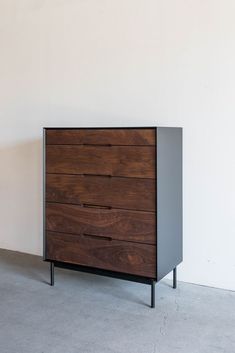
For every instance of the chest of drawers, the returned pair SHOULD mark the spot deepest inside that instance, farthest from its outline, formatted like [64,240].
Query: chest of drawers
[113,201]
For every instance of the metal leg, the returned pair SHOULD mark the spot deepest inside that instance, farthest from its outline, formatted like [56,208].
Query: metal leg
[174,278]
[153,294]
[52,273]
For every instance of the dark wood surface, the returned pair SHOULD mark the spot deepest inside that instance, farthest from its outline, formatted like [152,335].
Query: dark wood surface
[114,255]
[101,136]
[118,224]
[101,199]
[125,161]
[137,194]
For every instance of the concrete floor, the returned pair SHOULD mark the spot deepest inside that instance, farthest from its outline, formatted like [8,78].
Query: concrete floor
[85,313]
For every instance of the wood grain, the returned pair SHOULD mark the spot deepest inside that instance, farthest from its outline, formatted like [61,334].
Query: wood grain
[137,194]
[118,224]
[132,258]
[126,161]
[140,137]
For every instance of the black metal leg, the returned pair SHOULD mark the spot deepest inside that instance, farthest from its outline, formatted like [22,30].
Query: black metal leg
[52,273]
[174,278]
[153,294]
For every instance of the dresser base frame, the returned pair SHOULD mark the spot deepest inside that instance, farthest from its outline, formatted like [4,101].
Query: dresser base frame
[107,273]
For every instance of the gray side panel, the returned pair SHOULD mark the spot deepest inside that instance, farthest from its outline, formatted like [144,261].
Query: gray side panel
[169,199]
[44,194]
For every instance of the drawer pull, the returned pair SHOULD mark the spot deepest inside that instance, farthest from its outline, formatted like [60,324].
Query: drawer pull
[96,236]
[95,175]
[97,144]
[87,205]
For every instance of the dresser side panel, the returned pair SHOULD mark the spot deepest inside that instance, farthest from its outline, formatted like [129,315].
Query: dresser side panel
[169,199]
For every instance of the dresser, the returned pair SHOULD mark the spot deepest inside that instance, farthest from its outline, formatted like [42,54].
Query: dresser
[113,201]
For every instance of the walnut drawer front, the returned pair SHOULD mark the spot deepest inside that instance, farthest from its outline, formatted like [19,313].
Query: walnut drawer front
[103,253]
[119,224]
[140,137]
[125,161]
[136,194]
[100,204]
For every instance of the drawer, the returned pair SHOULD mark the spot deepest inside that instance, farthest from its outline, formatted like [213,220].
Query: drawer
[136,194]
[118,224]
[141,137]
[125,161]
[103,253]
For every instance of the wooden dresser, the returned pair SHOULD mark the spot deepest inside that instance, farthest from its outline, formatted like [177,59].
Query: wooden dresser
[113,201]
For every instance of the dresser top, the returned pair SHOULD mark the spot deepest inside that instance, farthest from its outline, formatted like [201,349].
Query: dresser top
[109,127]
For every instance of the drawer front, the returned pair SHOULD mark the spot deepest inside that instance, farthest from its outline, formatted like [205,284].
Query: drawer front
[136,194]
[141,137]
[114,255]
[117,224]
[125,161]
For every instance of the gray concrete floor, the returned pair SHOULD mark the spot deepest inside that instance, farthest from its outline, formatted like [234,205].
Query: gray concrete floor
[85,313]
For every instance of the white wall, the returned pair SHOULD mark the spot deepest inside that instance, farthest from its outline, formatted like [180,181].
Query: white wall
[123,62]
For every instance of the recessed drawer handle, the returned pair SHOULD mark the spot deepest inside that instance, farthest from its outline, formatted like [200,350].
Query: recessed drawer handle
[101,237]
[97,144]
[87,205]
[95,175]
